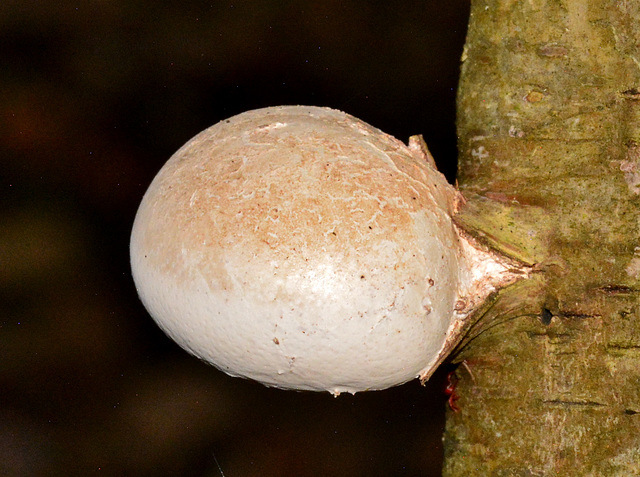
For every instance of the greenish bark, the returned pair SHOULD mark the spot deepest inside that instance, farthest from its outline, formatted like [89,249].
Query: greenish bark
[549,140]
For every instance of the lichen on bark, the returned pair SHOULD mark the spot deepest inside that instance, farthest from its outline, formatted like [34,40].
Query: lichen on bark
[549,141]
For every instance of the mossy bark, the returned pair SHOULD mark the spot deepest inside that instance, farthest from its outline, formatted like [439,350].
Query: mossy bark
[549,140]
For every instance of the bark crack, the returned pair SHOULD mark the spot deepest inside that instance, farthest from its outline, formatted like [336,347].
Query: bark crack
[565,403]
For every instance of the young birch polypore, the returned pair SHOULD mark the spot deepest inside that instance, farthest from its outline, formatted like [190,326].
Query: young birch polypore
[305,249]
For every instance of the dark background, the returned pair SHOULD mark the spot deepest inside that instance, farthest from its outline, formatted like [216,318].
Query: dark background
[95,96]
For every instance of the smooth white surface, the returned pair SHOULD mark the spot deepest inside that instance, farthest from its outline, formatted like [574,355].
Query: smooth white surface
[303,248]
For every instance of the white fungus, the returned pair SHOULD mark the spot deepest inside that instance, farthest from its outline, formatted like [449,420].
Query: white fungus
[303,248]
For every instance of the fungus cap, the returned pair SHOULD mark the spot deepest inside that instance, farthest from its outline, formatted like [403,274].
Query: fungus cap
[303,248]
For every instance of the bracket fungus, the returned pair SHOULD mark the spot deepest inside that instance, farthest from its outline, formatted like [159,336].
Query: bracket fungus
[305,249]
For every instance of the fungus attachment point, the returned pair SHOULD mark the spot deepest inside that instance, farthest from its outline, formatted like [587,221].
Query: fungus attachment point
[303,248]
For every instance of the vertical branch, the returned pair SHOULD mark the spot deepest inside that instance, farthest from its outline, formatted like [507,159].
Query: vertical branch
[549,140]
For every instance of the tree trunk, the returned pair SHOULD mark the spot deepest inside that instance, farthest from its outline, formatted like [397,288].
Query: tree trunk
[549,140]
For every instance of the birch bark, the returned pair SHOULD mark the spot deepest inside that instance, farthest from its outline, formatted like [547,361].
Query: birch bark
[549,141]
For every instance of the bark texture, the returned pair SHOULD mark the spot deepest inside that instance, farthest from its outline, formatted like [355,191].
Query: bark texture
[549,139]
